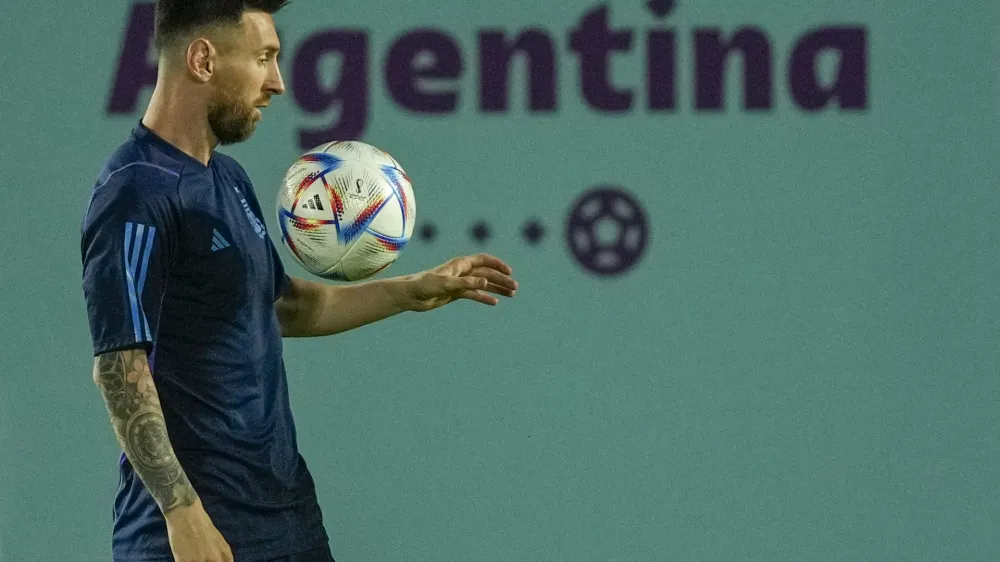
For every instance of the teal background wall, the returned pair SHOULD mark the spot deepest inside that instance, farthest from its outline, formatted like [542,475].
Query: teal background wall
[803,366]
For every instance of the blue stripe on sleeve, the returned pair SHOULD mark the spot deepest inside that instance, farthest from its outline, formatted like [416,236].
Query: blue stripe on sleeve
[134,262]
[130,281]
[142,278]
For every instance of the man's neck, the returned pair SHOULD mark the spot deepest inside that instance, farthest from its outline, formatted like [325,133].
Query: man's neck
[180,122]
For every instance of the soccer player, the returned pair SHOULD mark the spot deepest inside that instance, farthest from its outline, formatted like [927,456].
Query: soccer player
[188,303]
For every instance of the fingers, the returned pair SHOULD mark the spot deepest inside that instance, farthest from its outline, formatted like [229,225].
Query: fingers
[480,296]
[465,283]
[498,282]
[484,279]
[500,290]
[471,288]
[490,261]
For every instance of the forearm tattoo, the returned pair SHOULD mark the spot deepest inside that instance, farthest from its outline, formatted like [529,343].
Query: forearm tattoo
[134,406]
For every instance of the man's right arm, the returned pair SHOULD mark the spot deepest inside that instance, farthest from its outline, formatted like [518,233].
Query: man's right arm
[128,239]
[127,386]
[134,406]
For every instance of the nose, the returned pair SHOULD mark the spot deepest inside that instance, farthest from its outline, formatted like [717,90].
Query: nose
[274,86]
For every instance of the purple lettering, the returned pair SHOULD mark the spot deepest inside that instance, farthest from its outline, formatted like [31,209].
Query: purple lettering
[423,66]
[494,66]
[711,54]
[593,40]
[134,71]
[851,84]
[661,72]
[349,95]
[402,71]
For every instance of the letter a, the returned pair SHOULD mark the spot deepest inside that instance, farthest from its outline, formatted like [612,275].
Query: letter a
[134,71]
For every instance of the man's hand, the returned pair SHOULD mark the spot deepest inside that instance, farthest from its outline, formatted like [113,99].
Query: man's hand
[467,277]
[194,538]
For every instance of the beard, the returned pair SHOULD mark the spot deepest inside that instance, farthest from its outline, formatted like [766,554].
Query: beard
[231,118]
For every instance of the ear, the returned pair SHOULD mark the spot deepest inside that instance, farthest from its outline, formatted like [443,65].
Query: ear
[200,59]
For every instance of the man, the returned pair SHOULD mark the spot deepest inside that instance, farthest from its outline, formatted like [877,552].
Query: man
[187,340]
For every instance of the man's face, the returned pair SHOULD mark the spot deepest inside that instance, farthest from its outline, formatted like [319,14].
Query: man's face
[248,76]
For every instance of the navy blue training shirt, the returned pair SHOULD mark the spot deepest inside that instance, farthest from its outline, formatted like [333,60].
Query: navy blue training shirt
[176,259]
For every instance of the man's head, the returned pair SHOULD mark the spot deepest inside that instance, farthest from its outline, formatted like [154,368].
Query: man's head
[225,52]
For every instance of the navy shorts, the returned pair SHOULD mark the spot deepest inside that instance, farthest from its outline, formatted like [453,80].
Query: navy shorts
[321,554]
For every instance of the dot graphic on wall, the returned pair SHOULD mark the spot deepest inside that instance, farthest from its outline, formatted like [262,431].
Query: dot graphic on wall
[480,232]
[533,231]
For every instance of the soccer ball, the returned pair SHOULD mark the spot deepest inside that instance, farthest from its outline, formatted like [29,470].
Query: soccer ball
[346,210]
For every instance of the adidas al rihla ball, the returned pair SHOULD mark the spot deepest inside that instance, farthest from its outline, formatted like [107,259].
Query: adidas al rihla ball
[345,210]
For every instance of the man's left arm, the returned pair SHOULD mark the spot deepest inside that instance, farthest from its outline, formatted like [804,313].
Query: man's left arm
[308,308]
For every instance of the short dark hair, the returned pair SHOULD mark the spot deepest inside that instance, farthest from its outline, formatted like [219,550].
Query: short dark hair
[177,17]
